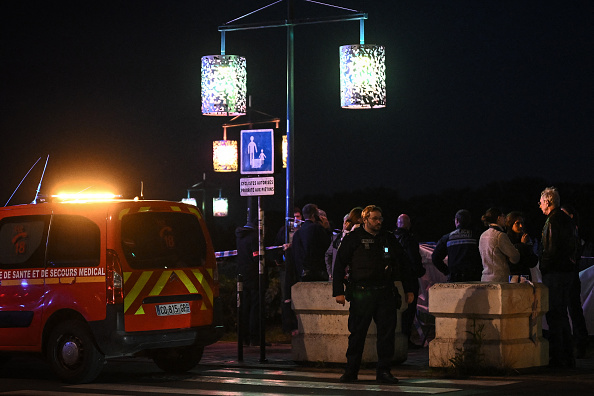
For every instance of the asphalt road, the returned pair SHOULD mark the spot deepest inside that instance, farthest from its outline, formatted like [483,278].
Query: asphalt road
[222,374]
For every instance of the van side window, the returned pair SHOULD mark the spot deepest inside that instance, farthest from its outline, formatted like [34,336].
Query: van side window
[22,241]
[74,241]
[155,240]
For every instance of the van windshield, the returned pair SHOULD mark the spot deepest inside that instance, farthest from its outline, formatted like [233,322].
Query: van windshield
[159,240]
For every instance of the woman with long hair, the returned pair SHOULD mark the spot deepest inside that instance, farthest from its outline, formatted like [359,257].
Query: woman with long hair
[514,224]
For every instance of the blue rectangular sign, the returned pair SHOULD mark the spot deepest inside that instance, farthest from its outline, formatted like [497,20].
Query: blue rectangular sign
[257,151]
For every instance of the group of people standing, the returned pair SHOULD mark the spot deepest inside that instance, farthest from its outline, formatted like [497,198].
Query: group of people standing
[506,253]
[363,261]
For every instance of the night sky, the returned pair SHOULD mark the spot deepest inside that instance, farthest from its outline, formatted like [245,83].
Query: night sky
[478,91]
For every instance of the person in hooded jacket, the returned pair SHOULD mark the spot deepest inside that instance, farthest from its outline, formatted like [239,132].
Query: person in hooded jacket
[248,268]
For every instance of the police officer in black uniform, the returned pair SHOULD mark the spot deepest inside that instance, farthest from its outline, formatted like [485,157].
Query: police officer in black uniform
[368,261]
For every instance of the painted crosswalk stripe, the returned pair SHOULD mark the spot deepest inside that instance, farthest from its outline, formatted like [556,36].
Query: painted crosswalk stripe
[322,385]
[294,385]
[362,377]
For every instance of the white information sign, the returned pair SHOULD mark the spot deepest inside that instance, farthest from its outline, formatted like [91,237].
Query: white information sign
[249,186]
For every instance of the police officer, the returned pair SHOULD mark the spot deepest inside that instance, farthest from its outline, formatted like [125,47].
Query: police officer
[375,260]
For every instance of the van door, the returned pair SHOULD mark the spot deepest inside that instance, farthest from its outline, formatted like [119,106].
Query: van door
[22,252]
[167,281]
[74,278]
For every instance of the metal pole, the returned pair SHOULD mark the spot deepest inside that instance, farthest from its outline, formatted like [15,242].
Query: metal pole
[261,282]
[289,206]
[362,31]
[240,332]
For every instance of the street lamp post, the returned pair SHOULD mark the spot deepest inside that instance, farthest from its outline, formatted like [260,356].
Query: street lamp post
[290,23]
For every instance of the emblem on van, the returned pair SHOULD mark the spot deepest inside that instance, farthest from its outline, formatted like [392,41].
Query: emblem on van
[173,277]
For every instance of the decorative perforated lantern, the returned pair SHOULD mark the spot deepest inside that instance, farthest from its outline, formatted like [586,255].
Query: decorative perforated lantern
[362,76]
[224,155]
[220,207]
[224,85]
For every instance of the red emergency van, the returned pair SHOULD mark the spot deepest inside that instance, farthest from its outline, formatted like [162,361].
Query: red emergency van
[81,282]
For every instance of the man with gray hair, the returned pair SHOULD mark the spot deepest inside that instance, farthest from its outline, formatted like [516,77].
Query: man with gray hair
[461,248]
[558,259]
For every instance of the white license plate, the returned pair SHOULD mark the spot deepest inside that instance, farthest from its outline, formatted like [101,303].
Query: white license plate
[173,309]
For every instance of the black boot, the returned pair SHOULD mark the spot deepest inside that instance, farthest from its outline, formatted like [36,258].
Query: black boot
[386,377]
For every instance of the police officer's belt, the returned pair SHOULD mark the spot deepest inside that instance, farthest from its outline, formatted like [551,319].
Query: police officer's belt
[359,287]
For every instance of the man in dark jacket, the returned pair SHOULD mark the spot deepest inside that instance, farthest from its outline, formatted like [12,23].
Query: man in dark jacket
[461,248]
[375,260]
[558,255]
[411,246]
[310,243]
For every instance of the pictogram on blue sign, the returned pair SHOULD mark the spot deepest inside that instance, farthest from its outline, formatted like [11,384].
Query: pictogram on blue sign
[257,151]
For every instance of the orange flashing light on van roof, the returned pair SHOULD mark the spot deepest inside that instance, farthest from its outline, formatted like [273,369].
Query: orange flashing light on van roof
[105,196]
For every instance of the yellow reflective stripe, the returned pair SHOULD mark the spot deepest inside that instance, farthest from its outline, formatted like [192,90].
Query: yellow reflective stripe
[160,283]
[90,279]
[204,284]
[195,211]
[19,282]
[140,311]
[127,276]
[130,297]
[123,212]
[176,208]
[186,281]
[144,209]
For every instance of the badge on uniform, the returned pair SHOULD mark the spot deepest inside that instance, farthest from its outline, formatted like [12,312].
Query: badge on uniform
[366,242]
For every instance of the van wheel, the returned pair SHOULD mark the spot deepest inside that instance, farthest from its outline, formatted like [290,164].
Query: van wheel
[178,360]
[72,353]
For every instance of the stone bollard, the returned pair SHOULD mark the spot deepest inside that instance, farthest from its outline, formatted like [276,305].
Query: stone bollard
[323,327]
[493,325]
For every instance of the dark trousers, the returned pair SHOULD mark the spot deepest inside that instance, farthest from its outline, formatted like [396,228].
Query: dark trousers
[465,276]
[381,306]
[250,316]
[560,342]
[576,312]
[408,316]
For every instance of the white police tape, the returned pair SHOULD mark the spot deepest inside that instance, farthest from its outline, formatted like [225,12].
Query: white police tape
[229,253]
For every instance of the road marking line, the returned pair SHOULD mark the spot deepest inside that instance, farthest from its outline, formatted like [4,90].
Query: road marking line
[322,385]
[363,377]
[327,386]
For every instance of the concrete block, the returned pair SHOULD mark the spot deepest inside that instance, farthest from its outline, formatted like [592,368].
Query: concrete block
[507,318]
[323,327]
